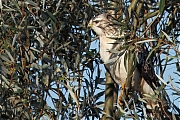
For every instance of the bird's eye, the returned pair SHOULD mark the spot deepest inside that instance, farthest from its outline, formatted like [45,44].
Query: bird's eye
[96,21]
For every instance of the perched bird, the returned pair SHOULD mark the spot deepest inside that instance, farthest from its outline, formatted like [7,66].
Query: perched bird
[111,38]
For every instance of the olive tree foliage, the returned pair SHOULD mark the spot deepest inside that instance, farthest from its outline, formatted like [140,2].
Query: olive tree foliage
[46,63]
[48,69]
[154,25]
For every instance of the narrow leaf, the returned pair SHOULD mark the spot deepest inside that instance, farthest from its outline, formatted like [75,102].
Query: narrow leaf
[51,16]
[10,56]
[143,41]
[173,116]
[1,6]
[161,79]
[161,6]
[111,60]
[31,3]
[167,37]
[173,85]
[5,58]
[71,93]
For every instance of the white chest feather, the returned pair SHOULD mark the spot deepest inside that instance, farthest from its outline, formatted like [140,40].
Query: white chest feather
[106,44]
[116,69]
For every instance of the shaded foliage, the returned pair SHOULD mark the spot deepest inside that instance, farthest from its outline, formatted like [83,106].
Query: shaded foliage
[47,66]
[154,24]
[45,51]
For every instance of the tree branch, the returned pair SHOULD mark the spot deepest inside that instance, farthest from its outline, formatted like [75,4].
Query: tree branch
[109,98]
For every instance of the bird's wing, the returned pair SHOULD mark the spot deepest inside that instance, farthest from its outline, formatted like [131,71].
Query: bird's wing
[146,68]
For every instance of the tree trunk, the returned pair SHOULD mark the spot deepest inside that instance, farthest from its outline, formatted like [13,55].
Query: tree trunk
[110,98]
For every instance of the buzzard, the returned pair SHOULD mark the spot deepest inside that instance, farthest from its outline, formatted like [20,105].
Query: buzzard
[111,38]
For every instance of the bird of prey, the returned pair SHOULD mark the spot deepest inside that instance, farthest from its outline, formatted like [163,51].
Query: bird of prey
[144,78]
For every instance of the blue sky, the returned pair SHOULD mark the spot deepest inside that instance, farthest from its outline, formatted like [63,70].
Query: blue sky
[169,72]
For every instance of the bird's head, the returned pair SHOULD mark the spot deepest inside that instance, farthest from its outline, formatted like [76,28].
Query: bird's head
[105,25]
[99,24]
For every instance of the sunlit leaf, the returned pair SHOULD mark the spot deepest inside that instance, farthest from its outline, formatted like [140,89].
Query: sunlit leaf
[71,92]
[173,116]
[161,79]
[148,40]
[166,34]
[31,3]
[142,100]
[6,59]
[172,84]
[50,66]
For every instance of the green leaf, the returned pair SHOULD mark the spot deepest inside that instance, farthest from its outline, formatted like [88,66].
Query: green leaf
[142,100]
[71,92]
[111,60]
[167,37]
[31,3]
[173,57]
[136,115]
[173,85]
[161,79]
[120,112]
[12,28]
[59,78]
[154,49]
[143,41]
[161,6]
[114,51]
[173,116]
[51,16]
[153,98]
[5,58]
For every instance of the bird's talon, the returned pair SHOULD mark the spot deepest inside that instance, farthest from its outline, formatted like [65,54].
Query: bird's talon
[120,100]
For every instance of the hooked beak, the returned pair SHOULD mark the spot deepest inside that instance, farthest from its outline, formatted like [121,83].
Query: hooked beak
[90,23]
